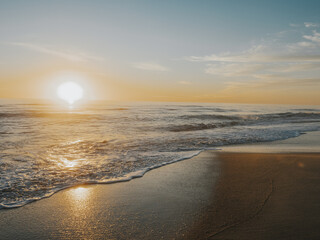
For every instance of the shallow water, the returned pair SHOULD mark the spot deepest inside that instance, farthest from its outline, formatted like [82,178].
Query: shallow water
[46,147]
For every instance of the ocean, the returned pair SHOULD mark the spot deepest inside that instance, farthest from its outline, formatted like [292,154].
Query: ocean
[45,147]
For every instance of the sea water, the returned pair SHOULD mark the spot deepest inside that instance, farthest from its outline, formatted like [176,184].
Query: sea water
[45,147]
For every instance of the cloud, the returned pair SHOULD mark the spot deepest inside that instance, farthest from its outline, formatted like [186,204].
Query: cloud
[271,81]
[310,24]
[264,64]
[148,66]
[80,57]
[185,83]
[310,41]
[273,56]
[304,45]
[250,55]
[296,67]
[315,37]
[233,69]
[289,59]
[265,56]
[294,25]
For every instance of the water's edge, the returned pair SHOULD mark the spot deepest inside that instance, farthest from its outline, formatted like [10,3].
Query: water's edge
[136,174]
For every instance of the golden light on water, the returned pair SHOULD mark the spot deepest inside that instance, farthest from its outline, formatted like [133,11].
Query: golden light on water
[68,164]
[70,92]
[80,193]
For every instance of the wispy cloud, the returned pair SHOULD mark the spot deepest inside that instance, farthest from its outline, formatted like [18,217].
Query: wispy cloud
[149,66]
[294,25]
[310,24]
[184,83]
[289,59]
[251,55]
[296,67]
[272,81]
[233,69]
[74,57]
[268,57]
[315,37]
[265,54]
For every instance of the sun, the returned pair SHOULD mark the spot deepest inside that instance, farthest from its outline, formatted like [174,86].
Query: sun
[70,92]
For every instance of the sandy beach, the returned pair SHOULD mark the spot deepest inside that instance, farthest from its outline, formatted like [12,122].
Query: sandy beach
[216,195]
[264,196]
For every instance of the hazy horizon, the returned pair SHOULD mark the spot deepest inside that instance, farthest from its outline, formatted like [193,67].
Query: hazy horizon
[163,51]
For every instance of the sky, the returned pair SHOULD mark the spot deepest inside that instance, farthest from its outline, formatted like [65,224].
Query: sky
[180,51]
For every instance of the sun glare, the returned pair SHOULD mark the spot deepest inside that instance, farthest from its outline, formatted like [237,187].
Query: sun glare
[70,92]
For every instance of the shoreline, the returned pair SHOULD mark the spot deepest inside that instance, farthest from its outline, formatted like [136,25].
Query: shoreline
[162,204]
[129,177]
[206,197]
[261,147]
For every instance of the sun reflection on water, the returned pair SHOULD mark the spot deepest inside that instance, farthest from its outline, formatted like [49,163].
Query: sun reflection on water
[80,194]
[80,221]
[69,164]
[65,163]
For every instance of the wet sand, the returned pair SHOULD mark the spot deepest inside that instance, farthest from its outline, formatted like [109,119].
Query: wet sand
[216,195]
[161,205]
[264,196]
